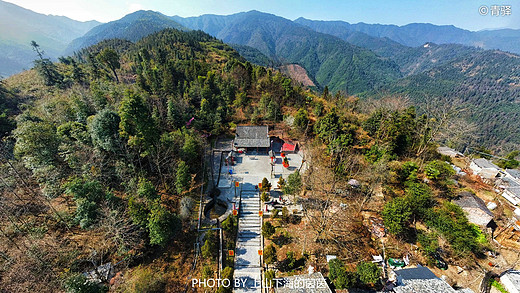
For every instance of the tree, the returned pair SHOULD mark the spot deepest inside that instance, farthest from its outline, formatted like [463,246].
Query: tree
[46,68]
[162,224]
[183,178]
[265,196]
[294,183]
[270,256]
[368,272]
[87,194]
[266,185]
[397,215]
[268,230]
[209,249]
[137,125]
[110,58]
[146,190]
[342,278]
[104,130]
[301,119]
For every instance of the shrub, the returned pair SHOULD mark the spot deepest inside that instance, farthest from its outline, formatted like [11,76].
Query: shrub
[268,230]
[270,256]
[285,215]
[78,283]
[274,213]
[209,249]
[339,275]
[397,215]
[144,280]
[368,272]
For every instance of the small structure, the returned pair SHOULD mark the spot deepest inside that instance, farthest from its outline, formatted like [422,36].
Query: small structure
[446,151]
[484,168]
[511,281]
[475,209]
[252,138]
[290,148]
[421,280]
[510,188]
[309,283]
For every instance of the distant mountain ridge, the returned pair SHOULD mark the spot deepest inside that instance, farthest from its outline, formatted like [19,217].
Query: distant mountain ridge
[19,26]
[328,60]
[416,34]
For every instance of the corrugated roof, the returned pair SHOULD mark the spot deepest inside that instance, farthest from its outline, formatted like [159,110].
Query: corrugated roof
[252,136]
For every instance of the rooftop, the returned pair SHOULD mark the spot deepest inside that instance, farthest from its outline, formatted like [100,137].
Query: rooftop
[513,278]
[422,280]
[449,152]
[483,163]
[515,173]
[469,200]
[252,136]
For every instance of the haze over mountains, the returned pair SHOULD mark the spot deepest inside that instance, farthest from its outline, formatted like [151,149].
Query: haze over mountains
[18,26]
[417,60]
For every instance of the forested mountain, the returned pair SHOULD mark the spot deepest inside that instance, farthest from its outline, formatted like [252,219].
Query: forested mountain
[132,27]
[486,83]
[329,60]
[19,26]
[416,34]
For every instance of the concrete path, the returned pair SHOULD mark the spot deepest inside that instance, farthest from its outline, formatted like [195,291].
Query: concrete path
[247,260]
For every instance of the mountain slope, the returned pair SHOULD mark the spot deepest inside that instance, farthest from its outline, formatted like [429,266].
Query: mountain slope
[411,60]
[487,82]
[19,26]
[329,60]
[132,27]
[416,34]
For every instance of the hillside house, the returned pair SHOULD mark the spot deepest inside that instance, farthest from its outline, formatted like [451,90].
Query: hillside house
[252,138]
[511,281]
[422,280]
[484,168]
[475,209]
[510,188]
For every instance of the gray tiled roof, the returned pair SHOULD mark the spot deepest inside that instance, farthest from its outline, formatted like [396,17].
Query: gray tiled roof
[252,136]
[483,163]
[422,280]
[514,172]
[469,200]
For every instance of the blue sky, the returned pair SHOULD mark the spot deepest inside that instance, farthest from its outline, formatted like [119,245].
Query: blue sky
[461,13]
